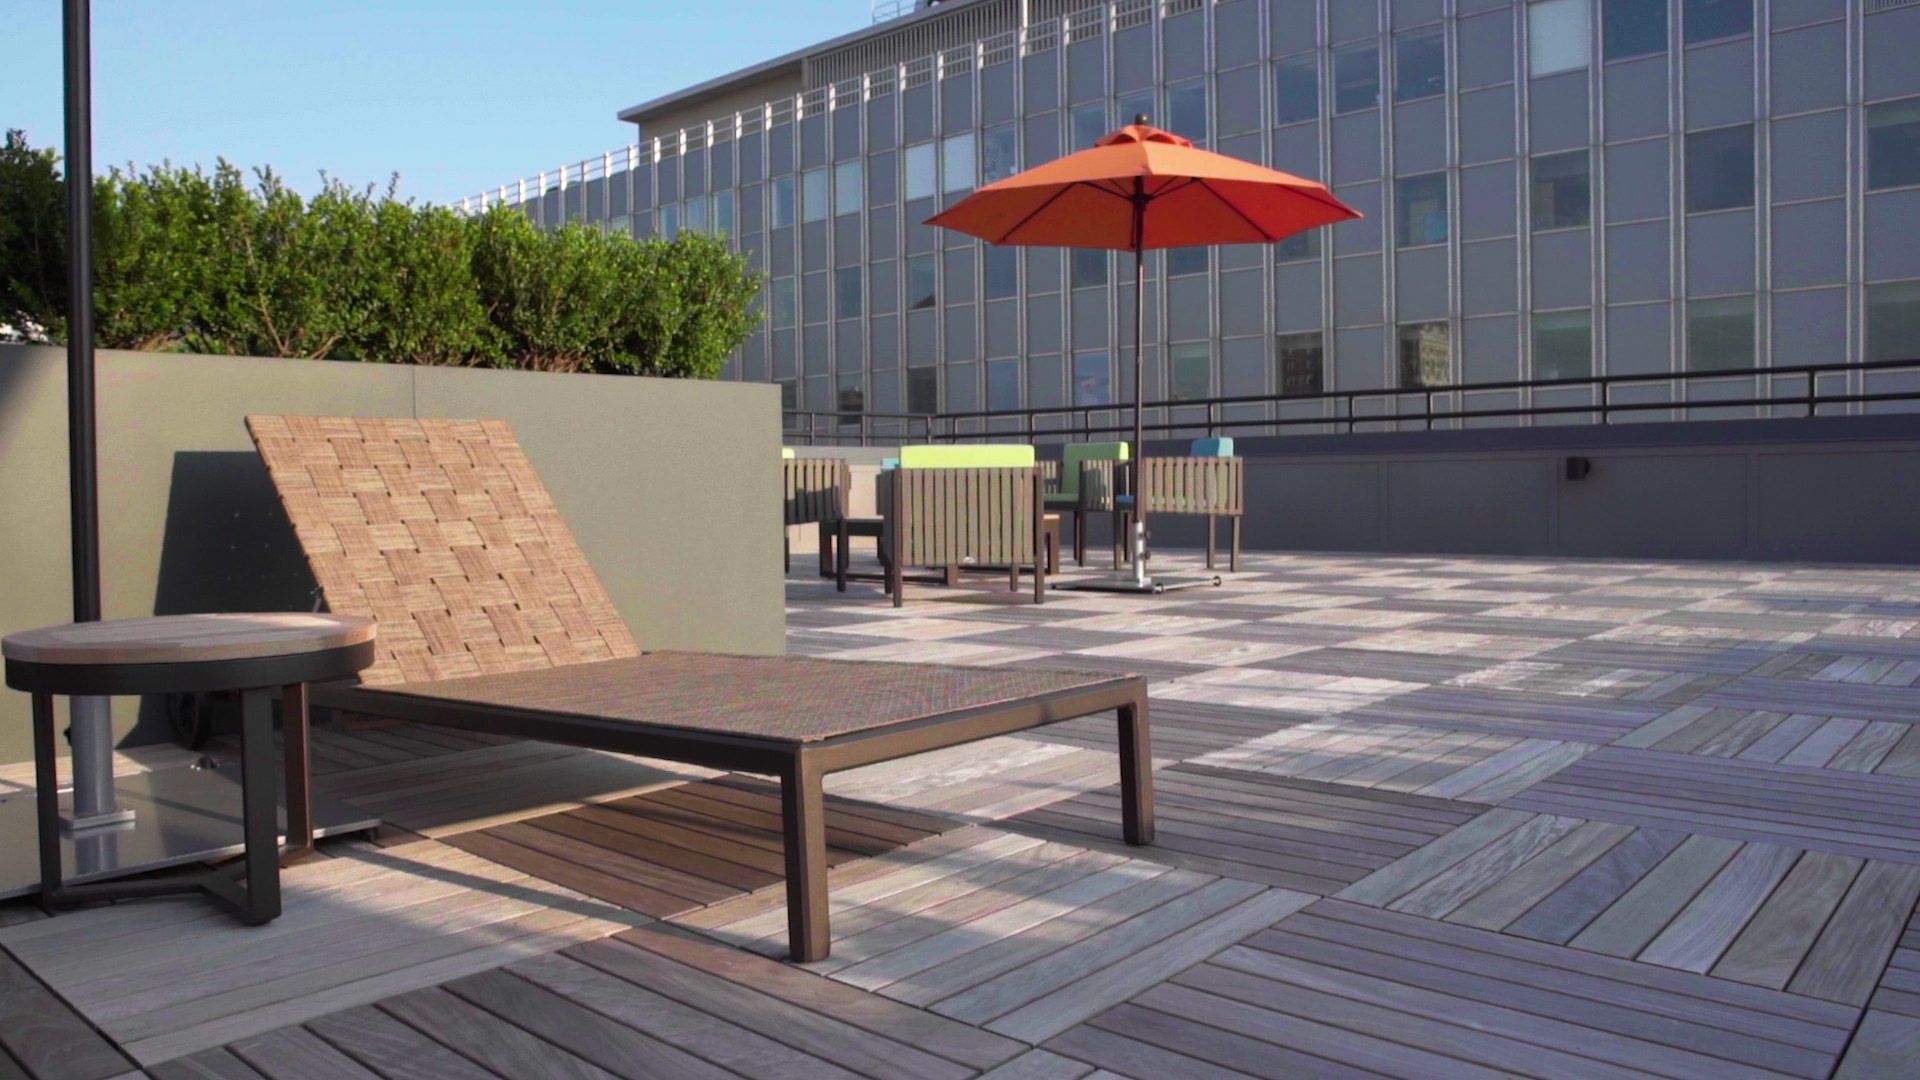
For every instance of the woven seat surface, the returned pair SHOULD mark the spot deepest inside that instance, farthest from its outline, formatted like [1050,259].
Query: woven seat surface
[781,698]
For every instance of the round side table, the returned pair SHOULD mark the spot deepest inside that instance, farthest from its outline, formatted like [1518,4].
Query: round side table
[253,654]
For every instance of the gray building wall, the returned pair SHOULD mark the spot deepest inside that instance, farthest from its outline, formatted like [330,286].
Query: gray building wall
[1738,206]
[189,522]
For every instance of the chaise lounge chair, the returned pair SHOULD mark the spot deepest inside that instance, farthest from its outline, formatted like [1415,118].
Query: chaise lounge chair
[490,619]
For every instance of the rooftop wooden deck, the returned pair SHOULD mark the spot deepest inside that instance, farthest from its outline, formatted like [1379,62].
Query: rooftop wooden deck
[1418,817]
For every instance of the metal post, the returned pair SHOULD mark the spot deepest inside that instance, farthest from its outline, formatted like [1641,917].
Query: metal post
[90,719]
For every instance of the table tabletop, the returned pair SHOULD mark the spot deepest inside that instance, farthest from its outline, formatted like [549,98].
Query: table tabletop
[187,639]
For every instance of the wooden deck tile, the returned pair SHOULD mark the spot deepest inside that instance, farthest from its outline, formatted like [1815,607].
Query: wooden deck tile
[678,848]
[1441,763]
[1338,987]
[1298,834]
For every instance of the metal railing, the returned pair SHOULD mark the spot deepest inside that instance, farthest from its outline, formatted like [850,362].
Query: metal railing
[1374,410]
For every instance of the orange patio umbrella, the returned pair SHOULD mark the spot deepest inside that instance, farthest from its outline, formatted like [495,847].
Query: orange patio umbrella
[1137,189]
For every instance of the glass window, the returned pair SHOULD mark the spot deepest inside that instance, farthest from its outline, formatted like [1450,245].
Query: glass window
[1562,344]
[846,293]
[1632,28]
[1187,111]
[621,225]
[922,282]
[1560,190]
[847,187]
[1003,385]
[813,195]
[782,202]
[1092,379]
[1189,260]
[1893,144]
[1720,334]
[957,166]
[1893,321]
[1001,267]
[1711,20]
[780,302]
[1301,360]
[999,153]
[1419,66]
[723,213]
[923,390]
[1720,168]
[1088,125]
[1556,37]
[1189,371]
[696,219]
[921,180]
[1296,89]
[670,221]
[1132,105]
[1425,355]
[1356,78]
[1299,246]
[853,396]
[789,394]
[1089,267]
[1420,209]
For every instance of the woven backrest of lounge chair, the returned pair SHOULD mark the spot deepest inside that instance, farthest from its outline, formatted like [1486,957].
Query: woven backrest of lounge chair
[947,517]
[442,532]
[814,489]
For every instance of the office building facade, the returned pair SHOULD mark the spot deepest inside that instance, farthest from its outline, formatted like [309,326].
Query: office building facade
[1551,189]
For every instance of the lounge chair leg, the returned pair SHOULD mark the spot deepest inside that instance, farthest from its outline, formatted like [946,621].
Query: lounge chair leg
[1053,551]
[825,544]
[1233,557]
[803,817]
[1013,577]
[293,734]
[1210,540]
[257,801]
[1136,772]
[786,547]
[841,556]
[1079,539]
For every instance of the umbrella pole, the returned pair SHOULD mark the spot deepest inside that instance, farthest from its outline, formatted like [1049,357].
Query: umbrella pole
[1139,393]
[90,720]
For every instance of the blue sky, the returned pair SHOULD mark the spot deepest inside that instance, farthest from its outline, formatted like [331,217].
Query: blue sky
[454,96]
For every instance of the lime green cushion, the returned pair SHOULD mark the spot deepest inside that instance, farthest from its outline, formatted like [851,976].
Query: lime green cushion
[786,452]
[1075,453]
[964,456]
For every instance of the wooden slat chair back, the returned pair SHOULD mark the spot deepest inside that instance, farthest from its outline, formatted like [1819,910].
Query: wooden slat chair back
[951,517]
[815,489]
[1209,487]
[441,531]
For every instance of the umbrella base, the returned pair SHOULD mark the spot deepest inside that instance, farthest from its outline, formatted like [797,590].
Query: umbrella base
[1126,583]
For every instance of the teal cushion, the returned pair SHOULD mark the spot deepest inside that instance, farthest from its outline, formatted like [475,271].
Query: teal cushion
[889,463]
[1221,447]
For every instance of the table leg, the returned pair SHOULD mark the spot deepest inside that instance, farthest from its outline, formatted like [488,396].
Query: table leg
[1233,557]
[46,781]
[825,545]
[1211,540]
[293,733]
[1136,772]
[803,820]
[258,805]
[842,554]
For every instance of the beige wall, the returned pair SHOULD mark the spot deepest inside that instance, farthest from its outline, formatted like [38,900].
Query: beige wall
[670,486]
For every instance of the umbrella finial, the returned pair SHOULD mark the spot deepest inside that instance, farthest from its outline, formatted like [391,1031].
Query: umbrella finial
[1141,119]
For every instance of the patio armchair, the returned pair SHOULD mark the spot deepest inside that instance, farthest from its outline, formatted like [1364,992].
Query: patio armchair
[1210,482]
[813,492]
[490,619]
[965,506]
[1088,482]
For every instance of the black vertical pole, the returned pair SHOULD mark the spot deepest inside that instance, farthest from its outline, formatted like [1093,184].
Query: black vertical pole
[83,482]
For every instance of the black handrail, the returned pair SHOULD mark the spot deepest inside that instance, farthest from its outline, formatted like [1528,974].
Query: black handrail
[1077,420]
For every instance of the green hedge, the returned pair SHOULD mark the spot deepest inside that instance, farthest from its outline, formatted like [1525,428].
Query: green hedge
[193,261]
